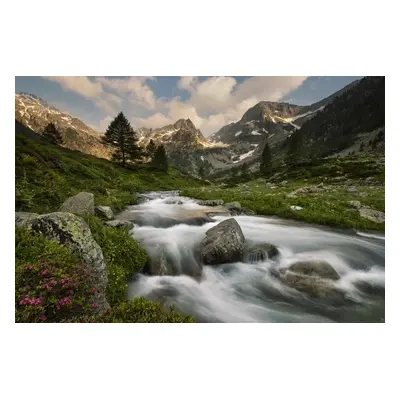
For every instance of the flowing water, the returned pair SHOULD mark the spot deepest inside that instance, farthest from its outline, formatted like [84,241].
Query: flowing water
[248,292]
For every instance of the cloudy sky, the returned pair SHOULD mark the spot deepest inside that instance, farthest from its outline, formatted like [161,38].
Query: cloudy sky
[210,102]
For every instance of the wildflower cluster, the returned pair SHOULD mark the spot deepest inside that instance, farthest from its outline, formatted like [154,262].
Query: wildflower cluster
[50,293]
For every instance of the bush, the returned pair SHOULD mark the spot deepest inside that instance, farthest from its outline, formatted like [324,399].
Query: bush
[50,284]
[139,310]
[123,256]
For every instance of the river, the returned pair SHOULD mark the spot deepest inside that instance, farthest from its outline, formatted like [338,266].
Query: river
[248,292]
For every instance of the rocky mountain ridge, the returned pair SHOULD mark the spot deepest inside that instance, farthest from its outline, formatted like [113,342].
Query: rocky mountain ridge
[35,113]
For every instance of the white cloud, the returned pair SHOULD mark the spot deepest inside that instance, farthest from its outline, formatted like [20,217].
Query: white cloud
[136,89]
[212,103]
[104,123]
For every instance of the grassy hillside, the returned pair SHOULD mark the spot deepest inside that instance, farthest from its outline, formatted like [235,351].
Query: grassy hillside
[360,178]
[46,175]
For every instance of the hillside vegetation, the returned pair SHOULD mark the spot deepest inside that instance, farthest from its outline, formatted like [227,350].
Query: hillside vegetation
[46,175]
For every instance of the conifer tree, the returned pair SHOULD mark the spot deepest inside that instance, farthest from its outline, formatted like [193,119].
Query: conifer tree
[160,160]
[202,172]
[123,139]
[151,149]
[52,134]
[266,160]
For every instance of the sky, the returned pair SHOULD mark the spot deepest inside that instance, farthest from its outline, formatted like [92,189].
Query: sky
[152,102]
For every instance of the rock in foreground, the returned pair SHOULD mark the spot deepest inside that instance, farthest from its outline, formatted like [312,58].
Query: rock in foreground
[223,243]
[73,232]
[104,212]
[80,204]
[313,278]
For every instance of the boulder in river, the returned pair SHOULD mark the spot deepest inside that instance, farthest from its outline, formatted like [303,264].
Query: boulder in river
[318,268]
[313,278]
[260,252]
[104,212]
[73,232]
[159,263]
[224,243]
[80,204]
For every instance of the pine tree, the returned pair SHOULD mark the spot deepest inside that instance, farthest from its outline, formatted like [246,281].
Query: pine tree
[123,139]
[52,134]
[266,160]
[295,142]
[160,160]
[202,172]
[151,149]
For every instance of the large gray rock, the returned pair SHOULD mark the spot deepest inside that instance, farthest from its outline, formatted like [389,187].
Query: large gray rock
[80,204]
[314,268]
[371,214]
[260,252]
[21,218]
[73,232]
[223,243]
[313,278]
[104,212]
[368,212]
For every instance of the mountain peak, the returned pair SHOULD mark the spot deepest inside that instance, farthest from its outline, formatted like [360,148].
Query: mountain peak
[185,124]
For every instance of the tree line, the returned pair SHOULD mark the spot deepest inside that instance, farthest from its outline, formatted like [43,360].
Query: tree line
[123,140]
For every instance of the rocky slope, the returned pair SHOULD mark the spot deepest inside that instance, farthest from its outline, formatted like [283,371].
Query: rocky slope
[353,121]
[35,113]
[181,135]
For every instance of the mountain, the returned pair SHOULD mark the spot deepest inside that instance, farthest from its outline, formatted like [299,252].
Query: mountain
[181,135]
[35,113]
[353,121]
[271,122]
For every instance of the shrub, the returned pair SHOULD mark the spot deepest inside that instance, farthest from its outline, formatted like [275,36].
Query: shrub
[139,310]
[123,256]
[50,284]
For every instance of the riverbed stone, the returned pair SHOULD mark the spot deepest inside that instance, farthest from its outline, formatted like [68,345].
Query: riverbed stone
[314,268]
[158,263]
[120,224]
[260,252]
[313,278]
[80,204]
[224,243]
[72,231]
[104,212]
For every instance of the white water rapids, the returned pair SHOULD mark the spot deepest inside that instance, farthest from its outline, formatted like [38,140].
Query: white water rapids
[243,292]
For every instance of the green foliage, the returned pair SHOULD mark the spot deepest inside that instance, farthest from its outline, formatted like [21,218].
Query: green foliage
[52,134]
[151,149]
[123,139]
[202,172]
[123,256]
[141,310]
[362,147]
[50,285]
[46,175]
[160,160]
[266,160]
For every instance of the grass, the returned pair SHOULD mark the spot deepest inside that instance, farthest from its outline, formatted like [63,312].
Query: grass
[330,207]
[122,254]
[46,175]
